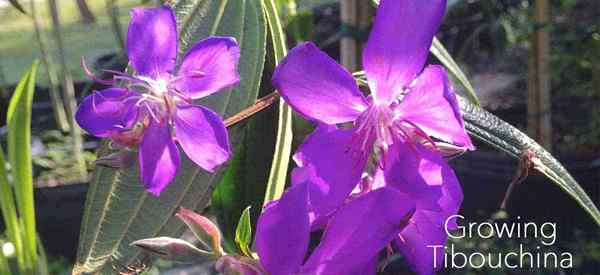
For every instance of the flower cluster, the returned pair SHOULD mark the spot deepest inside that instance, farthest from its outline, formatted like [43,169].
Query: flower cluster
[372,175]
[155,109]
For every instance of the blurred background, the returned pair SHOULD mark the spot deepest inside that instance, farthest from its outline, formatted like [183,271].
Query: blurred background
[535,64]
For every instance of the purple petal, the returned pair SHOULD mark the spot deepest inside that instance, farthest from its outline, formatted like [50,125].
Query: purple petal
[369,269]
[211,65]
[159,157]
[282,232]
[359,230]
[418,172]
[329,168]
[202,135]
[414,240]
[106,111]
[152,40]
[317,87]
[432,106]
[399,43]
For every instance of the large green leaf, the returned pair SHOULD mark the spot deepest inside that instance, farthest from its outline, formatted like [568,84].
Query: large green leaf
[505,137]
[118,211]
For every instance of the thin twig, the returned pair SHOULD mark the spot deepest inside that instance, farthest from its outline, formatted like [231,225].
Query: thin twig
[260,104]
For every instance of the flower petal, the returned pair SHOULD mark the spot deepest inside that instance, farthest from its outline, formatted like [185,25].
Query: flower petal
[418,172]
[416,240]
[282,232]
[202,135]
[359,230]
[432,106]
[317,87]
[399,43]
[106,111]
[209,66]
[329,168]
[159,157]
[152,40]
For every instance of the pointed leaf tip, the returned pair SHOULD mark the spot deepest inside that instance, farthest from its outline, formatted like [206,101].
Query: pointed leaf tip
[243,232]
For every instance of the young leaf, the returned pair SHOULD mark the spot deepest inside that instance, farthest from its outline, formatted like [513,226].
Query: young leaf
[243,232]
[18,120]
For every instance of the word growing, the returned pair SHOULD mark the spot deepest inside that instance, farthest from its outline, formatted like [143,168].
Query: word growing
[518,259]
[486,230]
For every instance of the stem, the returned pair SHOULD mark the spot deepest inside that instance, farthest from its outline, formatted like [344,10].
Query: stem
[57,104]
[68,93]
[283,145]
[260,104]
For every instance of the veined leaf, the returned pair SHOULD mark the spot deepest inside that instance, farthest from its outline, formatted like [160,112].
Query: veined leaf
[505,137]
[18,121]
[118,211]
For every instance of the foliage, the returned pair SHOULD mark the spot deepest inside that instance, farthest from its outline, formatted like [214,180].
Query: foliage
[19,214]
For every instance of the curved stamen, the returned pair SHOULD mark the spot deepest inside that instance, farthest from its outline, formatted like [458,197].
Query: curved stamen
[91,75]
[420,132]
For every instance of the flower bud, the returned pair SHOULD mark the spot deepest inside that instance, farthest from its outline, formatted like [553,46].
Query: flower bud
[173,249]
[204,229]
[229,265]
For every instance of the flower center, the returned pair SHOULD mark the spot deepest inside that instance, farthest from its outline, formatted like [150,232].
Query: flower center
[376,127]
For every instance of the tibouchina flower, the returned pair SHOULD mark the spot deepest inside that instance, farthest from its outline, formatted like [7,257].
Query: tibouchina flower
[406,100]
[354,235]
[408,105]
[155,108]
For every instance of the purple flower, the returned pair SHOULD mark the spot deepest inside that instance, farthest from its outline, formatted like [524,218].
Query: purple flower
[409,107]
[407,101]
[155,109]
[354,235]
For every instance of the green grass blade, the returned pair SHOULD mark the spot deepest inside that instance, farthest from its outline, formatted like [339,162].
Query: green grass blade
[9,214]
[4,267]
[439,51]
[283,145]
[19,156]
[19,152]
[505,137]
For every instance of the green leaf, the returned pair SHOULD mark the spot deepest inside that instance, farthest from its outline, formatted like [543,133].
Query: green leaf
[283,145]
[17,6]
[438,49]
[505,137]
[243,232]
[19,156]
[244,182]
[118,210]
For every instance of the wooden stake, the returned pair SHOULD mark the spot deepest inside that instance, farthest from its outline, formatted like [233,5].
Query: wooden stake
[348,44]
[539,122]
